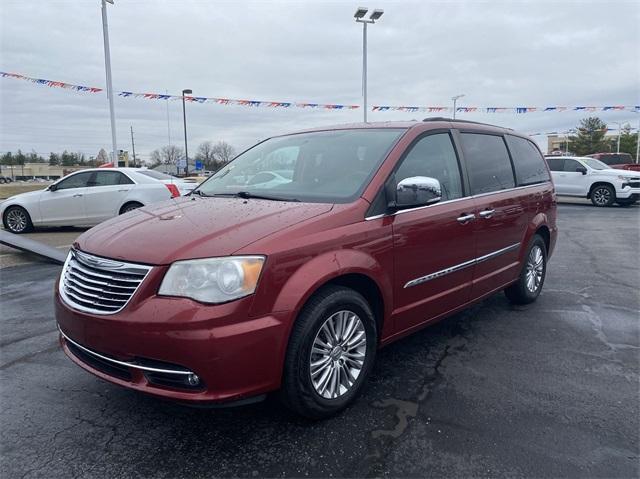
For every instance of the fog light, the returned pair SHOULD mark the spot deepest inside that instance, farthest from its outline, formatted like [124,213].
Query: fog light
[193,379]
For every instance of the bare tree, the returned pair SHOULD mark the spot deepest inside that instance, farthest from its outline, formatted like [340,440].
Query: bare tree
[102,157]
[223,152]
[167,155]
[206,155]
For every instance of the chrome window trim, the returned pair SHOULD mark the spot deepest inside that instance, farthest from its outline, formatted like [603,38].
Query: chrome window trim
[106,264]
[122,363]
[408,210]
[458,267]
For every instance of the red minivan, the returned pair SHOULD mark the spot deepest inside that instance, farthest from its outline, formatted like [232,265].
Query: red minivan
[291,266]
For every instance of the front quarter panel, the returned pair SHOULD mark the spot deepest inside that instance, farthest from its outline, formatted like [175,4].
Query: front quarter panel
[305,257]
[29,203]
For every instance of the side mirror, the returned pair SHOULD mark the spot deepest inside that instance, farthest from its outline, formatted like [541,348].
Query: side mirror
[417,191]
[52,187]
[581,169]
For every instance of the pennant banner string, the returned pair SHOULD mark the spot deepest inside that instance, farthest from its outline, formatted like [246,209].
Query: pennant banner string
[188,98]
[502,109]
[323,106]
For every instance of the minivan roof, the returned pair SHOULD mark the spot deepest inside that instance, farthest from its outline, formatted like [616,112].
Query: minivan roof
[427,124]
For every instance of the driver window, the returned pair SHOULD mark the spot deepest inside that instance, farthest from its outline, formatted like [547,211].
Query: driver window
[433,156]
[79,180]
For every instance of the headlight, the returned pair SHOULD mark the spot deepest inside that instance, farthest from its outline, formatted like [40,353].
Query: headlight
[213,280]
[625,178]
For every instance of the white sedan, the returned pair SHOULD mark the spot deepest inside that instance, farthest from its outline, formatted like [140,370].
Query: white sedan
[88,197]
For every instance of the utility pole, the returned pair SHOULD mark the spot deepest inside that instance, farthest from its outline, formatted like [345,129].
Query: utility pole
[168,124]
[133,147]
[107,65]
[186,91]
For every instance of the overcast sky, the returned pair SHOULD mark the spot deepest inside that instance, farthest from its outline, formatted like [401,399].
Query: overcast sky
[421,53]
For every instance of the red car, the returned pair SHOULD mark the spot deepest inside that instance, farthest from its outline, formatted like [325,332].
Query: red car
[371,232]
[618,161]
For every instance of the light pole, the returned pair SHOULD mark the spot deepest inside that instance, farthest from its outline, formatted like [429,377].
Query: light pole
[107,66]
[184,119]
[455,101]
[619,131]
[359,16]
[638,145]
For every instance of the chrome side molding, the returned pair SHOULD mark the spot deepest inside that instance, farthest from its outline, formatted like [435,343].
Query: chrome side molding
[458,267]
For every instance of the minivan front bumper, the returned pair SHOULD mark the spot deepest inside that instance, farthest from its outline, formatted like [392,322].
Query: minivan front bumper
[158,346]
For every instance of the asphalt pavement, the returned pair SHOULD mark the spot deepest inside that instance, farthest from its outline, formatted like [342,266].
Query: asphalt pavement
[546,390]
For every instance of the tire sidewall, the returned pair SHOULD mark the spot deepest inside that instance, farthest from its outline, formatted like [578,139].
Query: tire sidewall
[612,195]
[130,207]
[5,223]
[342,299]
[535,241]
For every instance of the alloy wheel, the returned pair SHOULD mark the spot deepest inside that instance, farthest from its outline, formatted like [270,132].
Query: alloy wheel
[17,220]
[602,196]
[338,354]
[535,269]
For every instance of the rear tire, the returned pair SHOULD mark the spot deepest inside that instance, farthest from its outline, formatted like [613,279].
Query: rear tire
[17,220]
[134,205]
[603,195]
[534,270]
[331,353]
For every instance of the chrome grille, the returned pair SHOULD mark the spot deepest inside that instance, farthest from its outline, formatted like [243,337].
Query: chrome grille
[99,285]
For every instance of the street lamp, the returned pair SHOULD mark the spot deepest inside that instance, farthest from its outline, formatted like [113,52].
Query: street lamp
[359,16]
[107,66]
[619,131]
[184,119]
[455,101]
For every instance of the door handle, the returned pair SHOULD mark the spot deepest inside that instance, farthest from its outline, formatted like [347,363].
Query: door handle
[487,213]
[77,195]
[466,218]
[120,191]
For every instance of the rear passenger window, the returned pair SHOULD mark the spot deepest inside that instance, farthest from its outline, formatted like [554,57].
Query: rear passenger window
[110,178]
[434,156]
[555,164]
[488,163]
[527,160]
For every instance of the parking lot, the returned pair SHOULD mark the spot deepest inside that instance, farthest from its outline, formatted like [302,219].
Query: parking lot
[545,390]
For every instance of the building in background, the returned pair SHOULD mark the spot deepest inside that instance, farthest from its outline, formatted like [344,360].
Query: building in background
[42,171]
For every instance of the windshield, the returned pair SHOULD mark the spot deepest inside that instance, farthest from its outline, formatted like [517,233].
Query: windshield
[156,174]
[320,167]
[595,164]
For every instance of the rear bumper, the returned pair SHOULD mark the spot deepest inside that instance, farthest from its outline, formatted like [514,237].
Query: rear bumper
[154,347]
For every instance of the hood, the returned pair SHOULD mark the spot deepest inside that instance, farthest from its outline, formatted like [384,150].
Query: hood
[27,194]
[21,196]
[193,227]
[614,172]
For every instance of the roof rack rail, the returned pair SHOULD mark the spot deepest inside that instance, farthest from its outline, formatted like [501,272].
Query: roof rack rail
[442,118]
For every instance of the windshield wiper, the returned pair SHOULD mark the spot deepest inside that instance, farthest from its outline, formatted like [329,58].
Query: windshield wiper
[247,195]
[197,192]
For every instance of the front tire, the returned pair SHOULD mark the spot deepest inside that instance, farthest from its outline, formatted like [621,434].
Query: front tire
[17,220]
[331,353]
[529,285]
[603,195]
